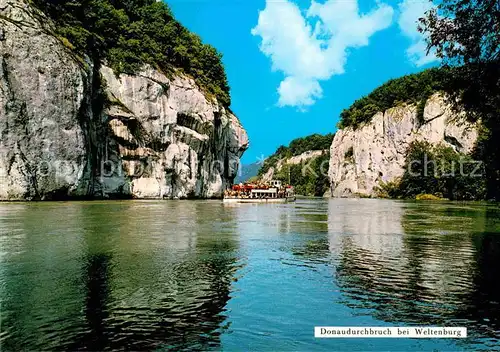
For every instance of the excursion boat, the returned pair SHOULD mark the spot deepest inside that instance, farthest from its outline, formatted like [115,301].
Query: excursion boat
[271,192]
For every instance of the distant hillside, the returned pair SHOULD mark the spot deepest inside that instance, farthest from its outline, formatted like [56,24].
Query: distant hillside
[305,161]
[247,171]
[297,147]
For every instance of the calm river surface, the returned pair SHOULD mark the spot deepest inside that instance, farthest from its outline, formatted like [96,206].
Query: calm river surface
[200,275]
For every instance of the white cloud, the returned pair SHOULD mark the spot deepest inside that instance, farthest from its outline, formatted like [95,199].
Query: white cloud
[300,92]
[410,12]
[313,47]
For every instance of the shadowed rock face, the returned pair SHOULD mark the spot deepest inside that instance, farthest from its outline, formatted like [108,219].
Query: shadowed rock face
[360,159]
[69,127]
[43,92]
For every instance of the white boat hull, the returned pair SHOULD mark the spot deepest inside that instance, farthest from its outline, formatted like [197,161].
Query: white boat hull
[259,200]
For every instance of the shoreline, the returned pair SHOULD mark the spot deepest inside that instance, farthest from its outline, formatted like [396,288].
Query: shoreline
[104,200]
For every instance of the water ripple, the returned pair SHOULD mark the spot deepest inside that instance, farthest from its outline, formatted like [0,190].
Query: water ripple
[150,275]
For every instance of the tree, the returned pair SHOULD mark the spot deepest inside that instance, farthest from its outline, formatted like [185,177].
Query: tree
[127,34]
[414,88]
[466,35]
[438,170]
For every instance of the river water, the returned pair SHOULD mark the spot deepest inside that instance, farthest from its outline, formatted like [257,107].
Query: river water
[201,275]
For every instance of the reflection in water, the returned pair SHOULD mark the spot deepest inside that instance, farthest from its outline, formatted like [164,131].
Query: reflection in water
[124,275]
[41,292]
[96,303]
[175,275]
[420,263]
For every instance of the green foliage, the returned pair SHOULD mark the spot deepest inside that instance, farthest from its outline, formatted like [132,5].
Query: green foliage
[466,35]
[271,161]
[130,33]
[297,147]
[414,88]
[440,171]
[309,178]
[312,142]
[388,189]
[428,197]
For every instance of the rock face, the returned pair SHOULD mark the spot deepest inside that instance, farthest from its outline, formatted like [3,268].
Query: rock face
[43,96]
[167,139]
[70,128]
[294,160]
[360,159]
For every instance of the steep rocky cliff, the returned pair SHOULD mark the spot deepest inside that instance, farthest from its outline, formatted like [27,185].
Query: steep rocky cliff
[70,127]
[361,158]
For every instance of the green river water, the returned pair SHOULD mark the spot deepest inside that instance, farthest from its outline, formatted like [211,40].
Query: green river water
[201,275]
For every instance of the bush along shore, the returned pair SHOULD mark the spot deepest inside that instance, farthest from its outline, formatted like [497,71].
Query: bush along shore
[437,172]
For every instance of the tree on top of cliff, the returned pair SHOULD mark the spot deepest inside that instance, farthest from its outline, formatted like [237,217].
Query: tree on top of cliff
[414,88]
[130,33]
[466,35]
[311,142]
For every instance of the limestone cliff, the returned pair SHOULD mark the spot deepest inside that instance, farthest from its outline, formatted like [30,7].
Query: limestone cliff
[360,159]
[69,127]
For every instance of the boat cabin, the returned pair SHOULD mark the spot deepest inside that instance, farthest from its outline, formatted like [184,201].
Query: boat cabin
[275,183]
[271,192]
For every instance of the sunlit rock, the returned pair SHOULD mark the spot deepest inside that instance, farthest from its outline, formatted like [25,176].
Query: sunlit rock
[375,152]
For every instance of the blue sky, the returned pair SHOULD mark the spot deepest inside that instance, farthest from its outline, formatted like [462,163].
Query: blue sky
[294,65]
